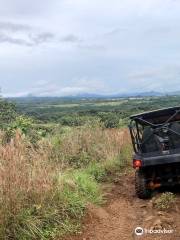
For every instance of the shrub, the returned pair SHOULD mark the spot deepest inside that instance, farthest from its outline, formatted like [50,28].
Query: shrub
[77,120]
[165,201]
[7,113]
[23,124]
[110,120]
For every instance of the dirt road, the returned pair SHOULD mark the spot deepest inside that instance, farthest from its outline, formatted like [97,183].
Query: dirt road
[123,212]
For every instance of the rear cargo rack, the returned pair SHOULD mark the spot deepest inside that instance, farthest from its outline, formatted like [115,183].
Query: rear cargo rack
[158,126]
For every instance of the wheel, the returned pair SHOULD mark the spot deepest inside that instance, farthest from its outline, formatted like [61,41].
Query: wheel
[140,185]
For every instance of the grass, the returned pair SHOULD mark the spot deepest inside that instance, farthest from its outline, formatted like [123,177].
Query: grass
[44,189]
[88,144]
[97,170]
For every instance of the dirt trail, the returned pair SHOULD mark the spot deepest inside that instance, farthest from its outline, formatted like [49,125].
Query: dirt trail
[124,212]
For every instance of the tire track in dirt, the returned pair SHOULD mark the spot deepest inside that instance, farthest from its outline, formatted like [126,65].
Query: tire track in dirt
[124,212]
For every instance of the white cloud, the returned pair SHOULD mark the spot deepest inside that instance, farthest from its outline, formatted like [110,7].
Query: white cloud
[162,79]
[94,46]
[47,88]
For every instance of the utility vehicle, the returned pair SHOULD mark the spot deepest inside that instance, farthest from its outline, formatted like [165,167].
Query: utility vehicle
[156,142]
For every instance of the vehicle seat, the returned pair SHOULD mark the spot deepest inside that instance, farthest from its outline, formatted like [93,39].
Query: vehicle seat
[174,139]
[150,141]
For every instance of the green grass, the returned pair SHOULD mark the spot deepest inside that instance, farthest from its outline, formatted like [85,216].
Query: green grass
[61,214]
[97,171]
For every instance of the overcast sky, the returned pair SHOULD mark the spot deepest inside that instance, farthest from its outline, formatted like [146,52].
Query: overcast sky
[62,47]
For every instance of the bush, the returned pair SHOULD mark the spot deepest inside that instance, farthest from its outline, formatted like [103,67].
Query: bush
[21,123]
[7,113]
[33,132]
[110,120]
[165,201]
[76,120]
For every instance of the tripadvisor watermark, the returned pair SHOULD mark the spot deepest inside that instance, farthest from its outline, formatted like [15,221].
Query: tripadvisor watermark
[139,231]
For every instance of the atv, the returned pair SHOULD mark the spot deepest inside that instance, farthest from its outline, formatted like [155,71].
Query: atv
[156,141]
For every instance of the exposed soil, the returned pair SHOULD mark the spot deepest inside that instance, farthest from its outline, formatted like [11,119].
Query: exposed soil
[123,212]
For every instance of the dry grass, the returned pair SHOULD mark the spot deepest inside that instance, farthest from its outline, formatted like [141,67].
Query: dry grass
[25,179]
[31,199]
[85,145]
[23,169]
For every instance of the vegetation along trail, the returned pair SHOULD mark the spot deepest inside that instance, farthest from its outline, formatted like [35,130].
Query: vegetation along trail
[52,173]
[124,212]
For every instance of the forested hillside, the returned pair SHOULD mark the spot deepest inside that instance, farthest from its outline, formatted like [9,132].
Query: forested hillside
[76,112]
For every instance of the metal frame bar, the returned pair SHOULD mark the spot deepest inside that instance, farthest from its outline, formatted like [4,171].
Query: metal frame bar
[136,135]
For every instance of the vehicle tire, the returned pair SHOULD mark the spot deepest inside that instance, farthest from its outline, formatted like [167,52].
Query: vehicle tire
[141,186]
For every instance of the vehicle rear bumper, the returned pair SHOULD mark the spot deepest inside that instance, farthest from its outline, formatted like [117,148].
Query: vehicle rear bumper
[161,159]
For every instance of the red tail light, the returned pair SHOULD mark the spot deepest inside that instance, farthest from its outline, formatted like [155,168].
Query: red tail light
[137,163]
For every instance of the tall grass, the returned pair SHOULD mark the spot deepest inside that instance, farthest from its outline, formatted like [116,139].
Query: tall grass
[83,145]
[41,196]
[26,180]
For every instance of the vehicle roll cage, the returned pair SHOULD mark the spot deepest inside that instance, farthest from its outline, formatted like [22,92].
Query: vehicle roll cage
[139,122]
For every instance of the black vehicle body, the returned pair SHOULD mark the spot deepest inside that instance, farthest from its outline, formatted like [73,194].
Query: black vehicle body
[156,142]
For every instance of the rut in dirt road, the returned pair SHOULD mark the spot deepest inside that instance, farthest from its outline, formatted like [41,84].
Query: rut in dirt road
[124,212]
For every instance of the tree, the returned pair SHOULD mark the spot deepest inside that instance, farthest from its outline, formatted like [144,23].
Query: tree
[7,113]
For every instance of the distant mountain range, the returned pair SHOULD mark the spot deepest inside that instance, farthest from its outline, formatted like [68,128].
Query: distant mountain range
[126,95]
[119,95]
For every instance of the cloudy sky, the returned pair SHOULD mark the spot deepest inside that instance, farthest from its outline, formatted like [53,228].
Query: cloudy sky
[62,47]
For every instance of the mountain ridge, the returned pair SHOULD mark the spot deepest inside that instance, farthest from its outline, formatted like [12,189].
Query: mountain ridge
[95,95]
